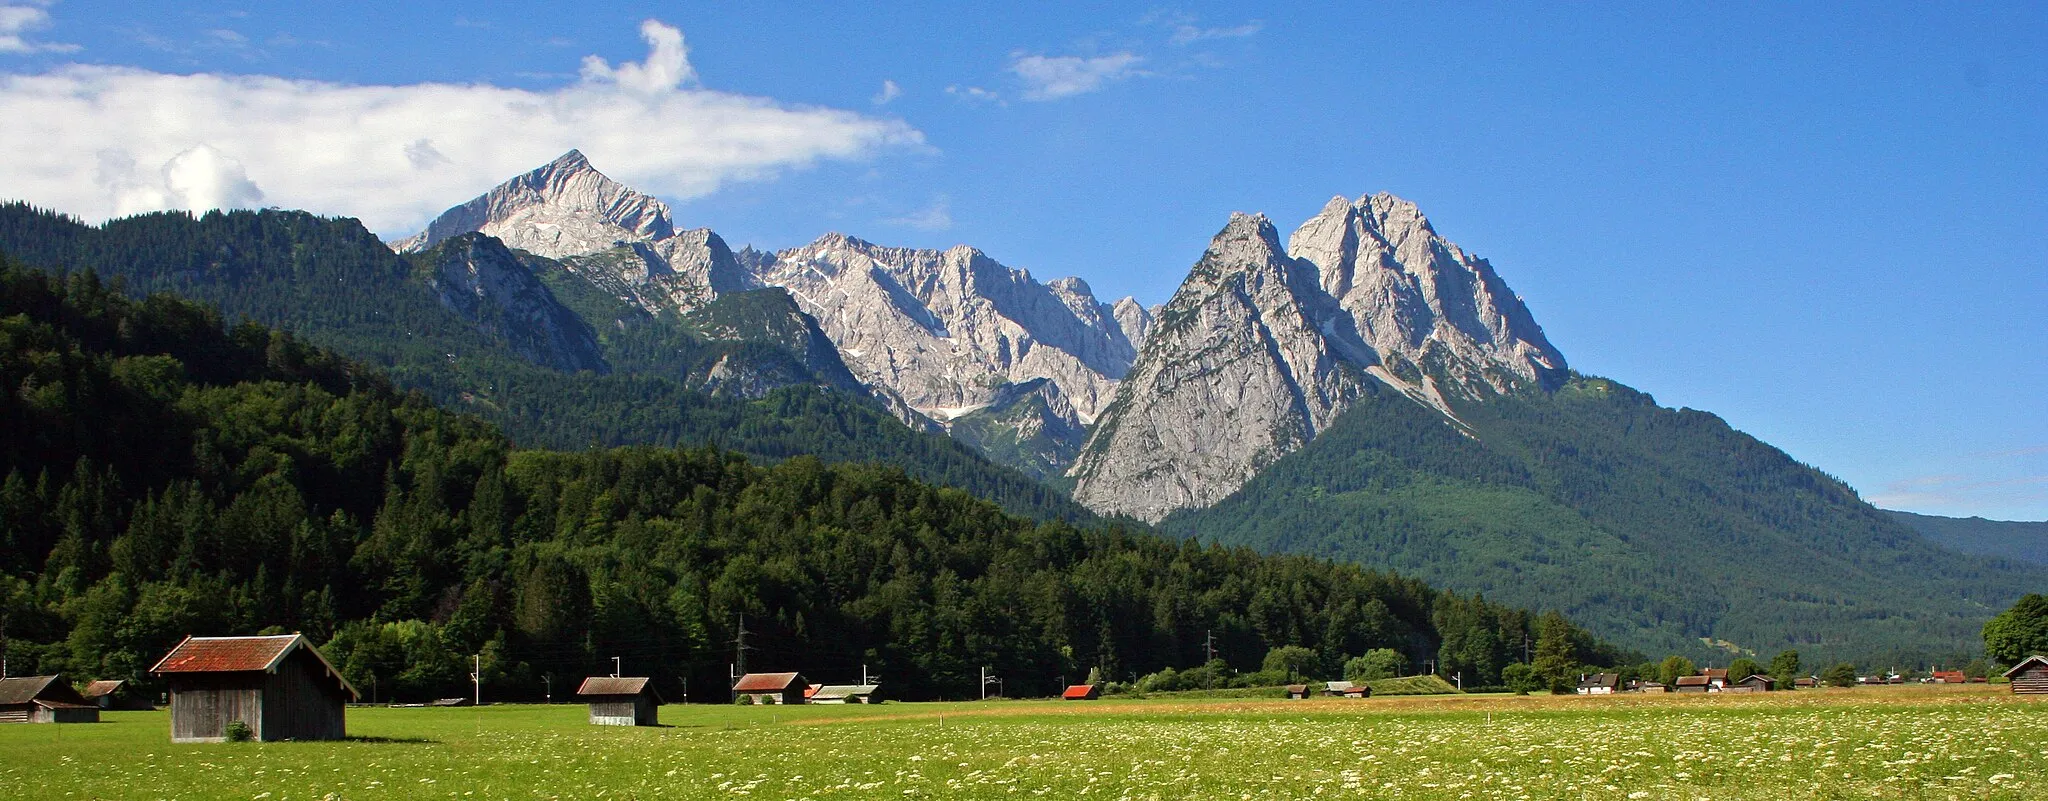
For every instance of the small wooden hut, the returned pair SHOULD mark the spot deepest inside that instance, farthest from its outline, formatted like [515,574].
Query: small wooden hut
[116,694]
[841,694]
[1693,684]
[281,687]
[621,701]
[2030,676]
[1082,692]
[1296,692]
[44,699]
[772,688]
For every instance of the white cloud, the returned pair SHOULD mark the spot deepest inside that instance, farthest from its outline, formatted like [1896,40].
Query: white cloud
[890,91]
[936,217]
[101,141]
[18,20]
[1184,33]
[975,94]
[1055,77]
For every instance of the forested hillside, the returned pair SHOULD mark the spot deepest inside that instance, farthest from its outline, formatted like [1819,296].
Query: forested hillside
[2020,541]
[1651,526]
[166,476]
[336,285]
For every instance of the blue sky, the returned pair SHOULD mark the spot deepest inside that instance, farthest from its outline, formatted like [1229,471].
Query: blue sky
[1826,224]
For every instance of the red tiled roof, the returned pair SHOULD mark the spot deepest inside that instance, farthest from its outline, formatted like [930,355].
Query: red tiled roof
[1949,676]
[226,654]
[1079,691]
[812,691]
[765,682]
[243,654]
[1715,673]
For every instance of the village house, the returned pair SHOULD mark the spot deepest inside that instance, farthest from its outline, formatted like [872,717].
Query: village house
[1693,684]
[1599,684]
[1082,692]
[1805,683]
[1752,684]
[1949,677]
[44,699]
[841,694]
[621,701]
[280,687]
[1717,678]
[2030,676]
[772,688]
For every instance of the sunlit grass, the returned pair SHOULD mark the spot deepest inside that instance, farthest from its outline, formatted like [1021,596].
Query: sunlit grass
[1968,742]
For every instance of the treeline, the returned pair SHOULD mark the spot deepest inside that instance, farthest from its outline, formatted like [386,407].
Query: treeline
[333,283]
[166,475]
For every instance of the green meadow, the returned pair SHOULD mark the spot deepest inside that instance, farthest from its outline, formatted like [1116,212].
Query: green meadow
[1914,742]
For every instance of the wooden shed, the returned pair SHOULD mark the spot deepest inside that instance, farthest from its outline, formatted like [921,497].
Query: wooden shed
[1082,692]
[1296,692]
[116,694]
[621,701]
[2030,676]
[841,694]
[44,699]
[1756,683]
[772,688]
[1693,684]
[279,686]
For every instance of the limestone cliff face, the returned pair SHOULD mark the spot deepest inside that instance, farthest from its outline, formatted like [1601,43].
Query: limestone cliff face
[1260,349]
[478,278]
[950,330]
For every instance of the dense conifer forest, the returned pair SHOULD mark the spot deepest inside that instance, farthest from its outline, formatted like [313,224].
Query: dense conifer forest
[334,284]
[163,473]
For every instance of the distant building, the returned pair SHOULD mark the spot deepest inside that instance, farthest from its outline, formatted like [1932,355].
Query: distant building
[1297,691]
[1346,689]
[621,701]
[1651,687]
[1805,683]
[1082,692]
[772,688]
[1752,684]
[1693,684]
[115,694]
[280,687]
[44,699]
[1599,684]
[1717,678]
[841,694]
[1950,677]
[2030,676]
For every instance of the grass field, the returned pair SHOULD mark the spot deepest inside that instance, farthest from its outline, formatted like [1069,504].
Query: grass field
[1895,742]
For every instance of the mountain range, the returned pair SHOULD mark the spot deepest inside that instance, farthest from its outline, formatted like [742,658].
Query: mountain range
[1367,391]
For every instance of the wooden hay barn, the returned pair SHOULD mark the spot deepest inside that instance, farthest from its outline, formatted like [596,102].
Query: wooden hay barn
[1692,684]
[1297,691]
[279,686]
[842,694]
[44,699]
[1346,689]
[2030,676]
[772,688]
[621,701]
[1752,684]
[1082,692]
[115,694]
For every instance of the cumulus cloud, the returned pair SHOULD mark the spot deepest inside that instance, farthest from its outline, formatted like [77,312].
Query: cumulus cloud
[890,91]
[1055,77]
[100,141]
[18,20]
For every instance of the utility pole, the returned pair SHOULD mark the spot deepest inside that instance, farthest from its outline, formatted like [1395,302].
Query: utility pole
[864,675]
[549,680]
[733,680]
[1209,646]
[476,678]
[987,679]
[1461,681]
[616,666]
[740,656]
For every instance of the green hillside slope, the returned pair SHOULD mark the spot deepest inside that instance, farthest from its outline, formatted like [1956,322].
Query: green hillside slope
[1663,529]
[335,284]
[162,476]
[2005,539]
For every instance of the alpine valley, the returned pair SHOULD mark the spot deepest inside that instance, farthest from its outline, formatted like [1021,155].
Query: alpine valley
[1363,390]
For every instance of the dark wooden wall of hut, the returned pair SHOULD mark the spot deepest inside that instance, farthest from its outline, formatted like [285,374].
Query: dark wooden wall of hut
[202,704]
[301,703]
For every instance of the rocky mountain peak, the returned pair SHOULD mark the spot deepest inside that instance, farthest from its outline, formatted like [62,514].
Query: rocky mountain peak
[563,208]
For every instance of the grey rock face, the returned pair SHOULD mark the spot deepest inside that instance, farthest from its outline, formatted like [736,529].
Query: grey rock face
[1260,350]
[610,234]
[478,278]
[948,330]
